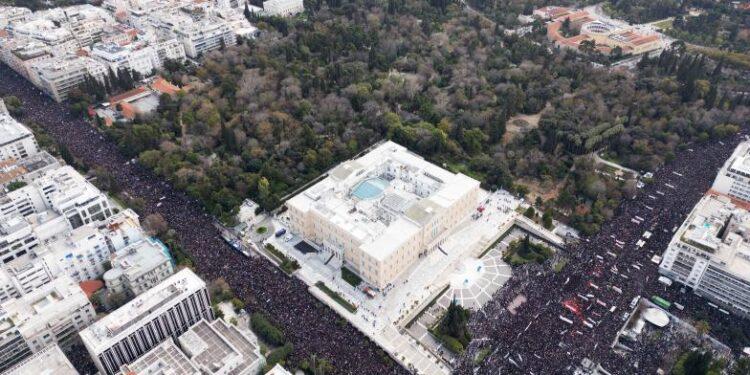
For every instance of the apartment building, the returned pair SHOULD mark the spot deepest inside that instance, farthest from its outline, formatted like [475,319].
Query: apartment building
[24,275]
[381,212]
[59,76]
[12,14]
[81,253]
[49,315]
[198,36]
[143,60]
[138,267]
[58,201]
[206,348]
[734,176]
[166,310]
[59,192]
[16,140]
[710,253]
[21,54]
[50,360]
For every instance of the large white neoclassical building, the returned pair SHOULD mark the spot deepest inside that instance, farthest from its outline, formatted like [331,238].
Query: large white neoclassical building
[379,213]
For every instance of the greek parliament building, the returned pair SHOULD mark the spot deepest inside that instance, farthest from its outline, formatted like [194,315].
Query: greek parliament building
[165,311]
[710,252]
[379,213]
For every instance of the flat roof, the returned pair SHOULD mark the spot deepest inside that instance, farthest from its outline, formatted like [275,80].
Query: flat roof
[383,197]
[164,359]
[49,361]
[721,230]
[123,321]
[10,129]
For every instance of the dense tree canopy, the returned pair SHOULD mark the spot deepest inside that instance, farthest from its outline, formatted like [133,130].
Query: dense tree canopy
[265,117]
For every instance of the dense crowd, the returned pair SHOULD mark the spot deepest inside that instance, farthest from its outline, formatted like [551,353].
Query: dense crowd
[605,270]
[310,326]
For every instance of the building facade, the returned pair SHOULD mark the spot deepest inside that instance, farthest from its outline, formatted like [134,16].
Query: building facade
[16,140]
[166,310]
[283,8]
[138,267]
[734,177]
[710,253]
[50,315]
[378,214]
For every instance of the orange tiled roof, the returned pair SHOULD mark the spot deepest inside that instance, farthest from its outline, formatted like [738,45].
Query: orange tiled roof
[91,286]
[128,111]
[163,86]
[118,98]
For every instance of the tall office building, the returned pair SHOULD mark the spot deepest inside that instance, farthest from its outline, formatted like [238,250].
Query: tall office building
[167,310]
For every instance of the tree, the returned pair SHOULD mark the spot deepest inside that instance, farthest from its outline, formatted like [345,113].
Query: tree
[702,327]
[454,323]
[155,224]
[587,46]
[547,219]
[741,367]
[14,105]
[530,213]
[15,185]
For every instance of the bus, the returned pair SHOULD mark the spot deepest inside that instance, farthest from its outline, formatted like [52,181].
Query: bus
[661,302]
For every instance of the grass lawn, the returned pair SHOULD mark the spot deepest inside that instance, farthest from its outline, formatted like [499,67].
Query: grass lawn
[261,230]
[663,25]
[336,297]
[286,264]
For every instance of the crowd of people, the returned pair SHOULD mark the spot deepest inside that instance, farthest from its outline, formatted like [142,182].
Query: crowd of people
[534,339]
[604,274]
[310,326]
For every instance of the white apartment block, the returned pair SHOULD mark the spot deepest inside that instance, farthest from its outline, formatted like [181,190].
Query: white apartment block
[138,267]
[165,358]
[219,348]
[283,8]
[12,14]
[142,60]
[24,275]
[206,348]
[710,253]
[46,31]
[21,54]
[122,230]
[17,238]
[734,177]
[27,169]
[81,253]
[50,360]
[381,212]
[166,310]
[59,76]
[170,49]
[49,315]
[56,202]
[59,192]
[199,36]
[16,140]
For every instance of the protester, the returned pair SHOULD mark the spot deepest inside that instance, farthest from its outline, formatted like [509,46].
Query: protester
[309,325]
[549,345]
